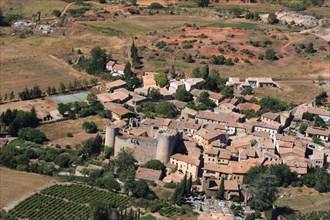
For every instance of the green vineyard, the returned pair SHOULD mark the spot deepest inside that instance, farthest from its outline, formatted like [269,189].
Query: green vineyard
[66,202]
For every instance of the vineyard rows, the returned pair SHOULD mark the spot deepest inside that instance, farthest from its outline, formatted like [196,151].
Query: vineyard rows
[65,202]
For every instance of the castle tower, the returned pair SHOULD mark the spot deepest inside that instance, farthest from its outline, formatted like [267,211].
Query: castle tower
[110,135]
[165,146]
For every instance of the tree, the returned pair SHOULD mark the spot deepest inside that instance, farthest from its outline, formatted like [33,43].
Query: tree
[229,62]
[155,5]
[129,184]
[91,99]
[228,91]
[154,93]
[308,116]
[205,71]
[125,160]
[133,2]
[310,48]
[221,191]
[32,134]
[247,91]
[111,183]
[62,87]
[189,185]
[203,3]
[166,109]
[183,95]
[96,64]
[283,174]
[263,192]
[270,54]
[56,13]
[92,146]
[321,99]
[270,104]
[128,71]
[102,1]
[272,18]
[90,127]
[155,165]
[161,79]
[189,59]
[135,56]
[11,95]
[141,189]
[303,127]
[196,72]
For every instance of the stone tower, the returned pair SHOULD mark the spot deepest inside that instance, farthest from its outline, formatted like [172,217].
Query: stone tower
[165,146]
[110,135]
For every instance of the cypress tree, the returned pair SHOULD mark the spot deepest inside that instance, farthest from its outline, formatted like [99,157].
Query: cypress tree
[189,184]
[221,191]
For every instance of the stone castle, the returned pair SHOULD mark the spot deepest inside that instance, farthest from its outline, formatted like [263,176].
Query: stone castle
[159,147]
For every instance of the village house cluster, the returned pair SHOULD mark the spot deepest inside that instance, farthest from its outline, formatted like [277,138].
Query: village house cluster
[211,145]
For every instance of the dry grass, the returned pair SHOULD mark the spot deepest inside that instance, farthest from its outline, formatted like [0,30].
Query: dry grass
[15,184]
[31,7]
[304,200]
[23,65]
[57,132]
[292,92]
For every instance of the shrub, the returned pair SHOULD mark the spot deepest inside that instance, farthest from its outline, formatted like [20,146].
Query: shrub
[69,134]
[156,5]
[90,127]
[32,134]
[56,13]
[170,185]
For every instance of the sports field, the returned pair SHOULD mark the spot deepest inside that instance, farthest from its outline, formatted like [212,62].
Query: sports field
[77,97]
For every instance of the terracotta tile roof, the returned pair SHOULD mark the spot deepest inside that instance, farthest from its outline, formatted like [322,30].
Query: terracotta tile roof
[224,117]
[231,185]
[274,125]
[116,83]
[164,92]
[318,111]
[270,115]
[148,80]
[315,131]
[189,111]
[148,174]
[224,154]
[174,177]
[181,125]
[216,126]
[116,108]
[119,67]
[196,92]
[248,106]
[186,159]
[215,96]
[194,81]
[285,138]
[212,151]
[111,63]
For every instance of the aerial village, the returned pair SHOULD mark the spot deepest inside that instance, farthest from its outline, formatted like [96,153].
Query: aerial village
[209,146]
[170,144]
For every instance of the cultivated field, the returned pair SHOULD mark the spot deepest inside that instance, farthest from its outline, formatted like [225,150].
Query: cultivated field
[16,185]
[304,200]
[66,202]
[57,132]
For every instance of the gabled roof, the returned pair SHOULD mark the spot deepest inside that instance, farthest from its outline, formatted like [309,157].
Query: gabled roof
[248,106]
[270,115]
[187,159]
[116,83]
[148,174]
[315,131]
